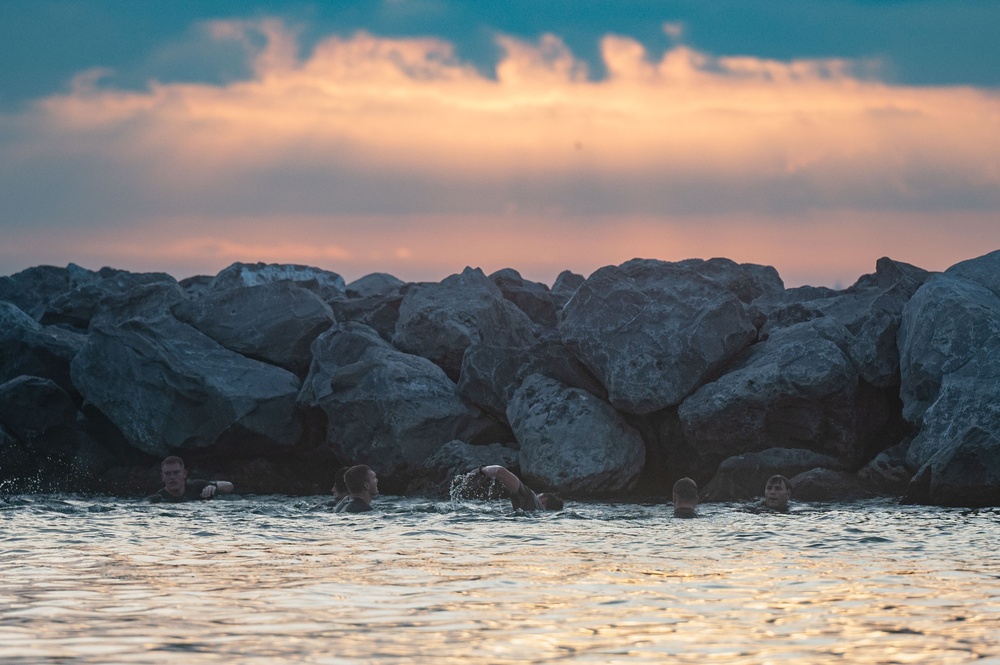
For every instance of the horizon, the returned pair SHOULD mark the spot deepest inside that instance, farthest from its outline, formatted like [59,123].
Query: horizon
[417,138]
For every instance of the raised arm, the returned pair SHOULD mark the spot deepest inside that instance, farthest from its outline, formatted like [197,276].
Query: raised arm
[216,487]
[509,480]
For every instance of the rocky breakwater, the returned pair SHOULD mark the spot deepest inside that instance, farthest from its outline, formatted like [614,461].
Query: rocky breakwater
[611,386]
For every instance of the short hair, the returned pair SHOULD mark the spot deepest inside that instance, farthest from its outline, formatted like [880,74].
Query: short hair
[173,459]
[356,477]
[550,501]
[686,489]
[778,478]
[338,480]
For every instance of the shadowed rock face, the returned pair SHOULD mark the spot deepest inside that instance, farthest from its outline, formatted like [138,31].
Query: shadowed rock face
[571,441]
[383,407]
[440,321]
[169,388]
[652,332]
[27,348]
[743,477]
[532,298]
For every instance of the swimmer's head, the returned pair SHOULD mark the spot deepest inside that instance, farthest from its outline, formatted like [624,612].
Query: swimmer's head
[777,491]
[339,490]
[361,480]
[173,474]
[550,501]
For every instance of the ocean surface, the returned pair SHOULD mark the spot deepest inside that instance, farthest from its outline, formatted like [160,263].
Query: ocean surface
[263,579]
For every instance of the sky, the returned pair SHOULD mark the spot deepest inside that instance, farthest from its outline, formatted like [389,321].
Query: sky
[417,137]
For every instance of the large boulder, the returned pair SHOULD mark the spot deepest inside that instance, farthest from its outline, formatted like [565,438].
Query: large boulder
[827,485]
[78,306]
[565,286]
[653,332]
[571,441]
[964,473]
[533,298]
[168,388]
[148,300]
[328,285]
[28,348]
[748,281]
[491,374]
[375,284]
[32,289]
[887,474]
[385,408]
[743,477]
[31,407]
[797,389]
[440,321]
[275,322]
[378,311]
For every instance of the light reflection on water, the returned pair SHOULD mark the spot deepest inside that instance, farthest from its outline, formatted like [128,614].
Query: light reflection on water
[270,579]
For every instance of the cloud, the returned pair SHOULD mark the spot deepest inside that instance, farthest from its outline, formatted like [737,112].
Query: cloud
[392,130]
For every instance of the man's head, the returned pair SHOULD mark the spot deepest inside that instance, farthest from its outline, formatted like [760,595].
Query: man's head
[777,492]
[685,495]
[361,481]
[173,474]
[339,486]
[550,501]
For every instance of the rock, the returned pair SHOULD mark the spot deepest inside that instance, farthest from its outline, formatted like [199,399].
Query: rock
[170,389]
[144,300]
[375,284]
[28,348]
[947,322]
[18,469]
[31,407]
[983,270]
[887,474]
[748,281]
[571,441]
[380,312]
[491,374]
[327,285]
[78,306]
[795,390]
[653,332]
[827,485]
[565,286]
[440,321]
[32,289]
[274,322]
[532,298]
[743,477]
[197,286]
[964,473]
[385,408]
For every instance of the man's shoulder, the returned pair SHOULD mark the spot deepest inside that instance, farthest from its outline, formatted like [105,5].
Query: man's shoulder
[525,499]
[352,504]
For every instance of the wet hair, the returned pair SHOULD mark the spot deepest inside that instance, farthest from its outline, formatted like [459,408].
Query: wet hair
[356,477]
[550,501]
[339,485]
[173,459]
[686,490]
[779,478]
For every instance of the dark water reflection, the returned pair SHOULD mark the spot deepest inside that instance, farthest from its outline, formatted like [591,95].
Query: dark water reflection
[267,579]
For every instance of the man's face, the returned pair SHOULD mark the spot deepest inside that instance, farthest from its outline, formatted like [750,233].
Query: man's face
[776,495]
[372,483]
[173,476]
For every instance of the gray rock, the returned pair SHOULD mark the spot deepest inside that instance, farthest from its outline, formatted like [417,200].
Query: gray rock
[78,306]
[31,406]
[946,322]
[385,408]
[887,474]
[324,283]
[743,477]
[532,298]
[964,473]
[983,270]
[274,322]
[28,348]
[748,281]
[795,390]
[491,374]
[169,389]
[32,289]
[653,332]
[571,441]
[440,321]
[197,286]
[144,300]
[375,284]
[827,485]
[380,312]
[565,286]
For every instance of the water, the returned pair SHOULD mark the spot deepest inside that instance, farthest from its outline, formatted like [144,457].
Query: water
[276,579]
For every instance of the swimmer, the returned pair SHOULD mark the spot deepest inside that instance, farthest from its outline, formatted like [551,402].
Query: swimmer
[339,490]
[177,488]
[362,487]
[777,491]
[521,496]
[685,498]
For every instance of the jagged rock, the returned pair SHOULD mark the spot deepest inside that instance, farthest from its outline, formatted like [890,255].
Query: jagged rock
[571,441]
[565,286]
[31,406]
[491,374]
[383,407]
[532,298]
[827,485]
[964,473]
[144,300]
[887,474]
[169,388]
[78,306]
[197,286]
[28,348]
[653,332]
[983,270]
[795,390]
[743,477]
[748,281]
[375,284]
[327,285]
[275,322]
[32,289]
[380,312]
[440,321]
